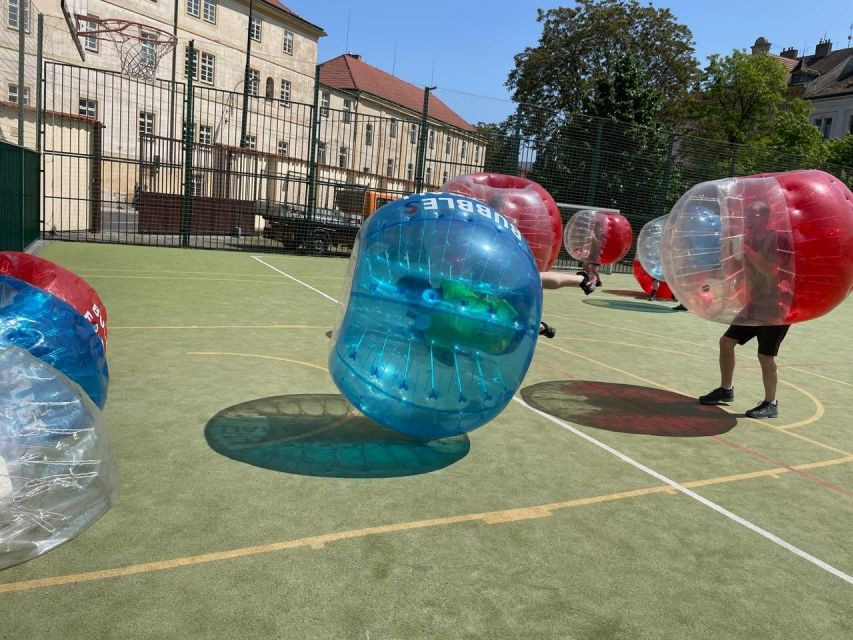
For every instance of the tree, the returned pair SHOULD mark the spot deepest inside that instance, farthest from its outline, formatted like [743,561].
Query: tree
[623,94]
[502,147]
[742,95]
[579,45]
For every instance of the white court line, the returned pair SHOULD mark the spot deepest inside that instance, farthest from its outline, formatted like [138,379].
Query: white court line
[692,494]
[672,483]
[287,275]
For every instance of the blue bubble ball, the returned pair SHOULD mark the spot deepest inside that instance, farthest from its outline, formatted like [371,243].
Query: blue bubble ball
[54,332]
[440,316]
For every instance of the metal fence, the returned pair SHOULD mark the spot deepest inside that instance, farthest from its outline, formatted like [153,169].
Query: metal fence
[173,164]
[19,197]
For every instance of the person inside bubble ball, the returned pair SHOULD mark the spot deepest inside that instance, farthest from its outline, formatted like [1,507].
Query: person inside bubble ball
[558,280]
[764,252]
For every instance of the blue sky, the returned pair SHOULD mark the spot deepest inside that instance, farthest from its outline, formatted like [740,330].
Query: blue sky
[466,47]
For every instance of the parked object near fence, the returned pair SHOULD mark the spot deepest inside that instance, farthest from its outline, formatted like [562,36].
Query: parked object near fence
[62,283]
[54,332]
[57,472]
[649,248]
[525,203]
[647,282]
[441,313]
[601,237]
[768,249]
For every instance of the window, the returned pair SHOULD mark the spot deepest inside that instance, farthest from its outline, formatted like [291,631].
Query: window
[389,168]
[392,128]
[368,135]
[148,48]
[431,139]
[321,152]
[209,10]
[15,17]
[189,132]
[824,125]
[343,158]
[198,184]
[193,8]
[255,29]
[444,177]
[324,104]
[476,153]
[464,151]
[88,108]
[269,92]
[205,134]
[346,116]
[283,148]
[254,82]
[288,42]
[90,43]
[13,94]
[410,171]
[448,143]
[146,123]
[428,178]
[251,142]
[285,92]
[187,64]
[208,67]
[413,133]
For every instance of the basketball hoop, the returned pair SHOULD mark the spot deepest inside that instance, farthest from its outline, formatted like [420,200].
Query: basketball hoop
[140,46]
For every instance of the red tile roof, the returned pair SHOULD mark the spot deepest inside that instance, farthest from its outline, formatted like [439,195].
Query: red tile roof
[279,5]
[348,72]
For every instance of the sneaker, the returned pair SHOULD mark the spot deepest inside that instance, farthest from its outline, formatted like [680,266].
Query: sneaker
[764,410]
[598,284]
[547,330]
[718,396]
[680,307]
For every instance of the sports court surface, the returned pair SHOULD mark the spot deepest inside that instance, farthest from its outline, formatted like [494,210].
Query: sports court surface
[603,503]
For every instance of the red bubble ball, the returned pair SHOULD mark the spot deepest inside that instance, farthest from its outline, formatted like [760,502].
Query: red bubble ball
[60,282]
[602,237]
[646,282]
[525,203]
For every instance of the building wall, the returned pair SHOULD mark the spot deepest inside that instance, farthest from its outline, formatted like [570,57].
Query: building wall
[839,108]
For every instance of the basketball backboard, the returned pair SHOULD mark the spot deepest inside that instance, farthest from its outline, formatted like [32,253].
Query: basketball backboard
[70,9]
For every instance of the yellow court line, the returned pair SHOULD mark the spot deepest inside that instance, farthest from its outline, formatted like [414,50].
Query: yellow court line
[226,326]
[256,355]
[320,541]
[780,428]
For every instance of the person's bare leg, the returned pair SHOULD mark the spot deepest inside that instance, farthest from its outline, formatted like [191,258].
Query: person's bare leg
[558,280]
[769,376]
[727,361]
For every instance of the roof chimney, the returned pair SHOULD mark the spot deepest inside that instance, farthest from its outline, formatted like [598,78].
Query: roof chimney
[357,56]
[790,53]
[823,48]
[761,45]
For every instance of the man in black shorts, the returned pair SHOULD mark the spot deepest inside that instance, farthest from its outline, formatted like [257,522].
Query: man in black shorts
[769,339]
[764,250]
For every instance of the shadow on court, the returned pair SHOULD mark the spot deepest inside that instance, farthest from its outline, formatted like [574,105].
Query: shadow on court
[628,408]
[636,295]
[629,305]
[320,435]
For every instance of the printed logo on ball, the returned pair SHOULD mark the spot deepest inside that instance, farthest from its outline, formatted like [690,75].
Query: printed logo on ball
[469,206]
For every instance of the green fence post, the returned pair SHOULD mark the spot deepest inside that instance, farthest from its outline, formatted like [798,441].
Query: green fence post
[420,167]
[596,164]
[189,126]
[312,162]
[39,62]
[667,174]
[733,162]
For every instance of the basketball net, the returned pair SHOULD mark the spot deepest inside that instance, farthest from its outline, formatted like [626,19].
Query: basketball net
[140,47]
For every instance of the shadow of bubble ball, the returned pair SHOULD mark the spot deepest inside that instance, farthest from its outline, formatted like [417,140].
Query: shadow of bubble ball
[321,435]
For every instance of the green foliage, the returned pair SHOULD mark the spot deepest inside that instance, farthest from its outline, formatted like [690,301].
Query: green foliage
[580,45]
[742,95]
[624,95]
[502,147]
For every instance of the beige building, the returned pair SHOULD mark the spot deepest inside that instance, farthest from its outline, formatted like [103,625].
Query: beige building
[371,126]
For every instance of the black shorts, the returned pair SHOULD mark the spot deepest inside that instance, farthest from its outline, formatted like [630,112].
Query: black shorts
[769,337]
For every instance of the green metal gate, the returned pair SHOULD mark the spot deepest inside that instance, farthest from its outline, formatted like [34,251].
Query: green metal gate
[19,197]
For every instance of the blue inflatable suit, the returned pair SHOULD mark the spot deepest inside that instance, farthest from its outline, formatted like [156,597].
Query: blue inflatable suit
[54,332]
[441,314]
